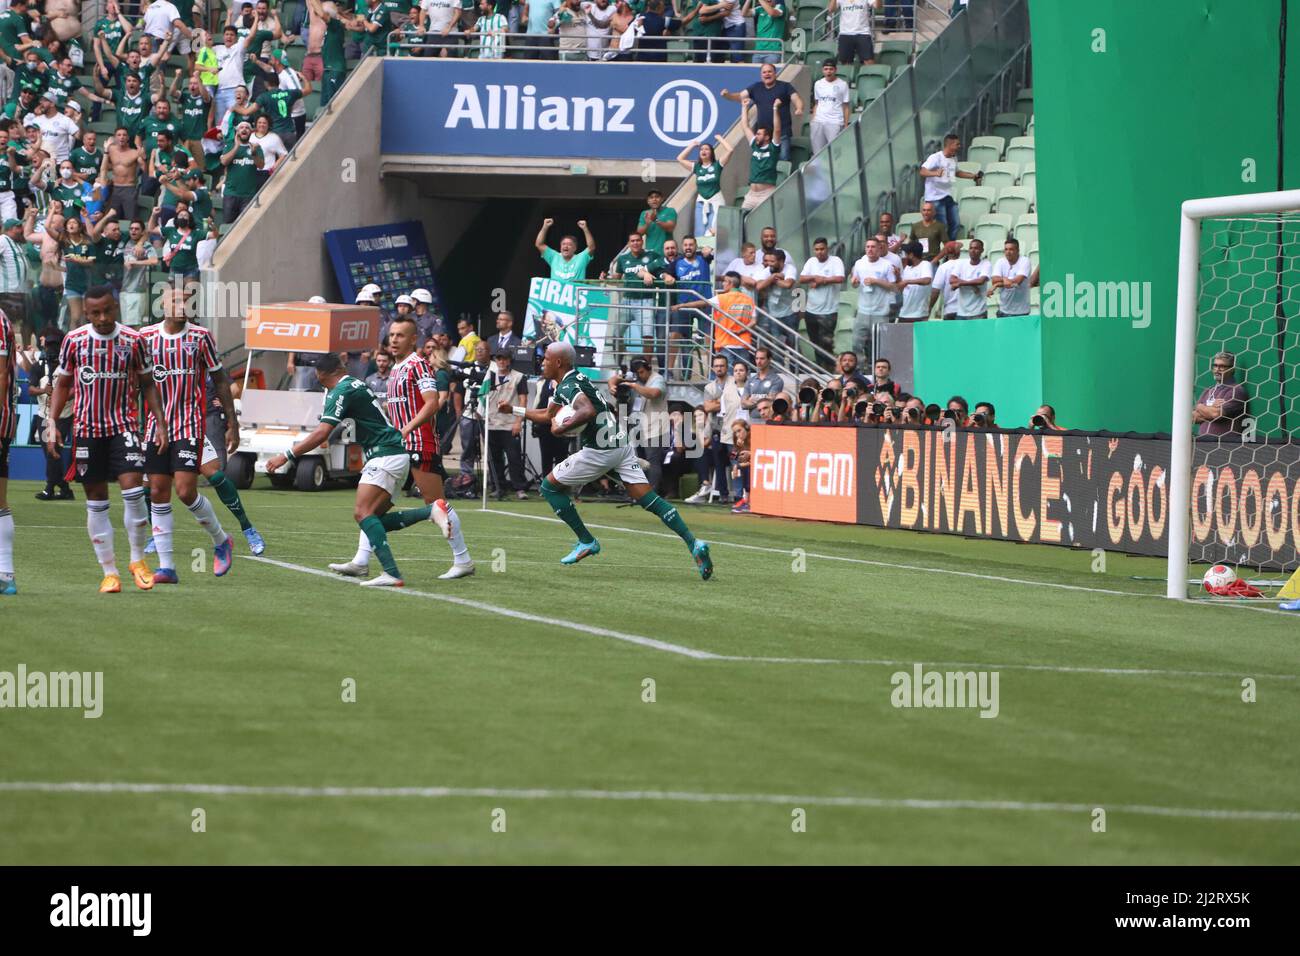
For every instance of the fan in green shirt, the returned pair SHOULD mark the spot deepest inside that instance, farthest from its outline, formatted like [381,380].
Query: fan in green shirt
[159,121]
[769,26]
[110,29]
[276,105]
[243,160]
[387,461]
[656,223]
[634,264]
[130,109]
[31,75]
[182,256]
[14,31]
[87,162]
[567,265]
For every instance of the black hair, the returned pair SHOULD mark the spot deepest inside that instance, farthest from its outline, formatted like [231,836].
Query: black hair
[329,363]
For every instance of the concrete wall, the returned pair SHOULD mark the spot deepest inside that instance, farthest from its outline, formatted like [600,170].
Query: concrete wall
[335,183]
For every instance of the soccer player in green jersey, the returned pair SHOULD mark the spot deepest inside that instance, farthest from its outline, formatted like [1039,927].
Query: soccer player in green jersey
[603,449]
[387,462]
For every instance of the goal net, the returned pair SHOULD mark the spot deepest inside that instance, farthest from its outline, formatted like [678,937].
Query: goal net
[1235,442]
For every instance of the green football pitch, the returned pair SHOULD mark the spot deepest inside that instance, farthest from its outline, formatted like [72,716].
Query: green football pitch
[624,711]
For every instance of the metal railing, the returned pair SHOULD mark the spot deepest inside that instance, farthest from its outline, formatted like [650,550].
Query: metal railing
[957,83]
[535,46]
[626,321]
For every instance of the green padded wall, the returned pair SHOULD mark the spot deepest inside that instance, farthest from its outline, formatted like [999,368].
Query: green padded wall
[946,362]
[1184,92]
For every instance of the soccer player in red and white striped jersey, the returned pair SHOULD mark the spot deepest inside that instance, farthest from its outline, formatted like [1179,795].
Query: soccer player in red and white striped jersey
[412,403]
[183,355]
[8,425]
[100,365]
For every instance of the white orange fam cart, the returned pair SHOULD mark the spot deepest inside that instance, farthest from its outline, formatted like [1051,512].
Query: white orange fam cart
[271,421]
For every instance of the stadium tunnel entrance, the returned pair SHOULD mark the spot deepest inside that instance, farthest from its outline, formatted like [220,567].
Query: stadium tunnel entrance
[482,229]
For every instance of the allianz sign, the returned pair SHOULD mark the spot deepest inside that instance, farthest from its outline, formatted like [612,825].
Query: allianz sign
[680,111]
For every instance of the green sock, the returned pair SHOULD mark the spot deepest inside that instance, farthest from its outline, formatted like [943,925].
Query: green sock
[652,503]
[397,520]
[378,538]
[229,495]
[562,505]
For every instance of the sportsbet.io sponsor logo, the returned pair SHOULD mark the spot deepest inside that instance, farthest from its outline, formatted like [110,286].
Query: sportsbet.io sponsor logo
[680,112]
[87,375]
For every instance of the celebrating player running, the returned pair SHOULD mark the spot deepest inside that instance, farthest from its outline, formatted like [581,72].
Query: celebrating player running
[604,449]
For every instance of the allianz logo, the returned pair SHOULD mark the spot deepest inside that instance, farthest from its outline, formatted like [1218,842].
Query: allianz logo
[679,112]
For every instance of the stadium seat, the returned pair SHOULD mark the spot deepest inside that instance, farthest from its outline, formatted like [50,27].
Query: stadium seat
[905,222]
[994,254]
[1025,101]
[784,169]
[1021,150]
[966,166]
[805,15]
[992,230]
[895,53]
[1026,231]
[986,149]
[999,175]
[1009,125]
[1014,201]
[873,80]
[678,49]
[1028,178]
[975,202]
[819,51]
[865,93]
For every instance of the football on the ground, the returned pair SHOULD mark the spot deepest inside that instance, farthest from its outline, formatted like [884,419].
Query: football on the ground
[563,417]
[1219,576]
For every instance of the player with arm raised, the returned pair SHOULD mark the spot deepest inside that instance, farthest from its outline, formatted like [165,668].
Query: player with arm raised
[603,449]
[387,462]
[8,426]
[99,365]
[412,402]
[183,355]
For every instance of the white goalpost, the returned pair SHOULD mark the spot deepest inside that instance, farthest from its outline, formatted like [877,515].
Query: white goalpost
[1238,264]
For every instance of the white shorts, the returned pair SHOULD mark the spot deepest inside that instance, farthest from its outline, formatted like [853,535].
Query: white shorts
[588,464]
[209,453]
[387,472]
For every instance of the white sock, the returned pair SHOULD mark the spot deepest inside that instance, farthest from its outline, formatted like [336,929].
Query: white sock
[100,529]
[364,551]
[136,518]
[459,553]
[6,542]
[162,533]
[203,513]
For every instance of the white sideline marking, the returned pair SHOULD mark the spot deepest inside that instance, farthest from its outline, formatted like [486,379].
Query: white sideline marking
[669,796]
[658,645]
[895,567]
[503,611]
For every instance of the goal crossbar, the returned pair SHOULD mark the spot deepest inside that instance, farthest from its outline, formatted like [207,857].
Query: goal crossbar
[1194,211]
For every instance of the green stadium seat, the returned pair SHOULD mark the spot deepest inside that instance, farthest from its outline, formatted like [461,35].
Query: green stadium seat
[816,52]
[865,93]
[678,50]
[875,76]
[905,222]
[992,230]
[1014,201]
[1021,150]
[806,14]
[975,203]
[986,149]
[1029,177]
[783,169]
[994,254]
[1025,101]
[1009,125]
[999,175]
[895,53]
[966,166]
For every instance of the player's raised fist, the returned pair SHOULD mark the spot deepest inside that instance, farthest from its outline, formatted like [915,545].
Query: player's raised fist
[548,223]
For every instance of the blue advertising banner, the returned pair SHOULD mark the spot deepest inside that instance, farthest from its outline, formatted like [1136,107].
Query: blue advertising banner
[395,256]
[535,108]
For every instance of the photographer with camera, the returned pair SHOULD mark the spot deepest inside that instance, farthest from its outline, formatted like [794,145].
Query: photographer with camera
[985,416]
[958,410]
[508,387]
[1044,419]
[645,396]
[712,428]
[468,378]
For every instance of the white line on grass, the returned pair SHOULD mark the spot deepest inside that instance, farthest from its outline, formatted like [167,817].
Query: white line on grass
[668,796]
[891,565]
[682,650]
[503,611]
